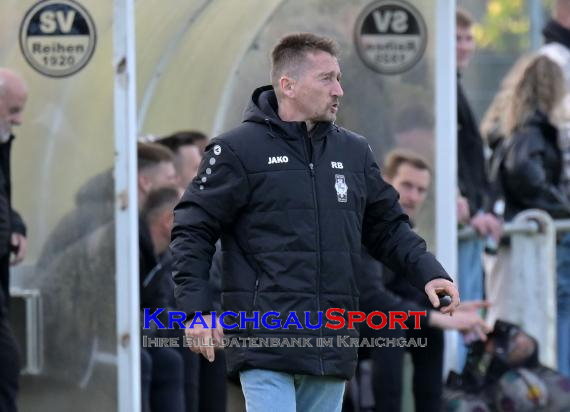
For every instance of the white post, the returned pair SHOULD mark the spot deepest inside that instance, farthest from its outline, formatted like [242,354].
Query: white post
[530,300]
[536,22]
[446,151]
[126,209]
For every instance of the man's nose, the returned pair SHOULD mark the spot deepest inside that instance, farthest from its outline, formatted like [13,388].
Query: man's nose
[415,196]
[337,91]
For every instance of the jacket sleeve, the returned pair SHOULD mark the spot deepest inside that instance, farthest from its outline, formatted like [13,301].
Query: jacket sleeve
[375,296]
[17,223]
[387,234]
[525,176]
[213,200]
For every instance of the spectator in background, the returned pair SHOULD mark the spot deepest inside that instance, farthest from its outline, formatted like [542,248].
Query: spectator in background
[162,368]
[13,243]
[473,200]
[200,375]
[155,169]
[530,173]
[411,177]
[557,47]
[187,147]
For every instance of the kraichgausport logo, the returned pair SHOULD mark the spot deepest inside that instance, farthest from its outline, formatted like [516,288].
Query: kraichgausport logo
[335,318]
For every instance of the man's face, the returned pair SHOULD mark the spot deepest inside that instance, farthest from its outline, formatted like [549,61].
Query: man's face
[163,175]
[412,184]
[164,222]
[190,158]
[465,45]
[12,102]
[317,90]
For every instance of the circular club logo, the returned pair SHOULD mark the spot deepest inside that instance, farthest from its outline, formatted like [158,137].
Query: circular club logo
[390,36]
[57,37]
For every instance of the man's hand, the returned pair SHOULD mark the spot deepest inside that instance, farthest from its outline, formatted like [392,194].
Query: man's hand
[440,286]
[466,320]
[198,334]
[463,212]
[20,244]
[486,224]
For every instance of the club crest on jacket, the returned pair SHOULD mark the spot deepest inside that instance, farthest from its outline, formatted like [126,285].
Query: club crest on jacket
[341,188]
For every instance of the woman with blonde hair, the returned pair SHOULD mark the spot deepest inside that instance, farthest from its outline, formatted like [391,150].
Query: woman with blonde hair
[532,164]
[491,123]
[527,163]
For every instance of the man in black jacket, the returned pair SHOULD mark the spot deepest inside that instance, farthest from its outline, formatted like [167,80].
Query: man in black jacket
[411,176]
[293,197]
[13,95]
[472,175]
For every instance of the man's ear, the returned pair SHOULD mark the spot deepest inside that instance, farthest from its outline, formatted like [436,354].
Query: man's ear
[287,86]
[143,183]
[167,221]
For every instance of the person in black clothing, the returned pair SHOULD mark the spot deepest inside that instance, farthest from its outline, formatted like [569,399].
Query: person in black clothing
[293,197]
[162,367]
[474,204]
[530,169]
[204,381]
[475,200]
[411,176]
[13,243]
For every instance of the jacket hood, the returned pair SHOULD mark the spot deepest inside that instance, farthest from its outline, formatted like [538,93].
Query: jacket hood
[263,108]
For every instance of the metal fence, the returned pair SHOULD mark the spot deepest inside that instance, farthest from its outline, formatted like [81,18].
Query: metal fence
[531,298]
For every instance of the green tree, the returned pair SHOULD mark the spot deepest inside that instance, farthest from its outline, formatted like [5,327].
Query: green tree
[505,25]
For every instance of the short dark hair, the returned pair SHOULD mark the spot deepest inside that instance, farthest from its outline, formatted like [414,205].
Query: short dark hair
[181,138]
[158,200]
[463,18]
[151,154]
[398,157]
[289,53]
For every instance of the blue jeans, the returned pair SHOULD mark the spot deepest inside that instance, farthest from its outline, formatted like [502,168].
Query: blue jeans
[470,268]
[470,276]
[266,390]
[563,304]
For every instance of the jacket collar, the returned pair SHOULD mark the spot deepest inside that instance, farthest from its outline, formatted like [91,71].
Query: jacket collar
[263,108]
[555,33]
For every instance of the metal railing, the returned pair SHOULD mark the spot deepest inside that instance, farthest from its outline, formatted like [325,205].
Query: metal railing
[530,287]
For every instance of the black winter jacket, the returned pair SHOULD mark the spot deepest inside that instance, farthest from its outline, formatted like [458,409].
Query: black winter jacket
[381,290]
[292,209]
[10,220]
[471,169]
[531,170]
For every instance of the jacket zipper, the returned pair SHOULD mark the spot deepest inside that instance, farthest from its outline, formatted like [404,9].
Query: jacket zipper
[255,291]
[318,240]
[255,294]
